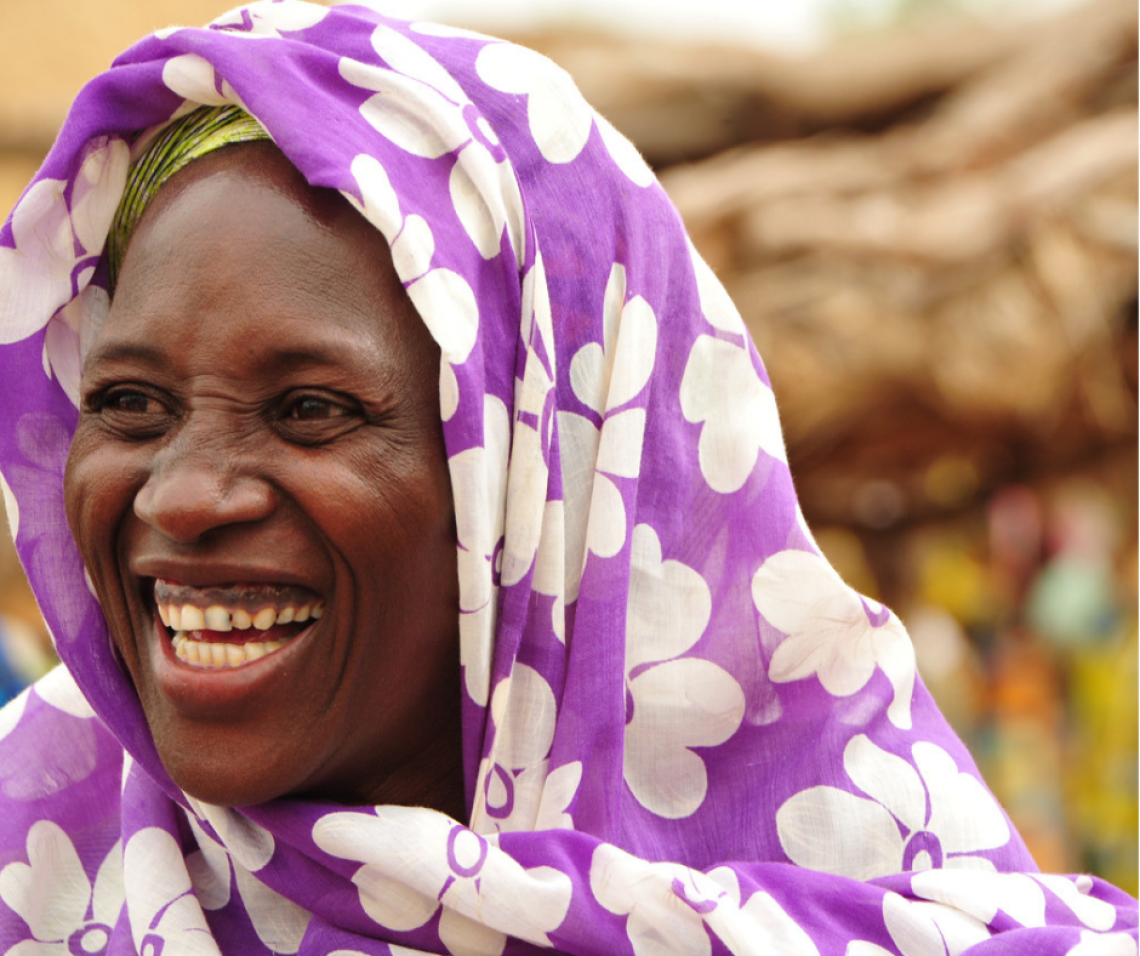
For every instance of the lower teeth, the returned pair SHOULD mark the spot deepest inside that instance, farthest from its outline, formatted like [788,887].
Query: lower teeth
[206,654]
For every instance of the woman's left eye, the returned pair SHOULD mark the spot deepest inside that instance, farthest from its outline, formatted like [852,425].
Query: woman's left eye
[316,408]
[308,418]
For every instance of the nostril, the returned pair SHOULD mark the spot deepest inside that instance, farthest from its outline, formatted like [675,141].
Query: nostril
[186,502]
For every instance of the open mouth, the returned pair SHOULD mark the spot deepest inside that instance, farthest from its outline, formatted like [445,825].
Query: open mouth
[225,627]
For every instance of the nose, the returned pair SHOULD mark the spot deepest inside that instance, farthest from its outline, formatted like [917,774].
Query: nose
[192,491]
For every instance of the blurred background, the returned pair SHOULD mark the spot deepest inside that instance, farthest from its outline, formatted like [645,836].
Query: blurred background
[926,211]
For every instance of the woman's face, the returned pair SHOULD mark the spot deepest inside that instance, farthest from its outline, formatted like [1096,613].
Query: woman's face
[260,440]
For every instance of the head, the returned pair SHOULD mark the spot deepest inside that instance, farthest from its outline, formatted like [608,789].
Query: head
[260,440]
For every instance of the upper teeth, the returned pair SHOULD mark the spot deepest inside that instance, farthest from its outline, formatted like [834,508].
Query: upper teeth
[188,617]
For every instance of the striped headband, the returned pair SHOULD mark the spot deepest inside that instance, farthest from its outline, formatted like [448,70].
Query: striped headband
[183,141]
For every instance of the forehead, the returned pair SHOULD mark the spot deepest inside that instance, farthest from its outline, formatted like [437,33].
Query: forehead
[239,249]
[256,166]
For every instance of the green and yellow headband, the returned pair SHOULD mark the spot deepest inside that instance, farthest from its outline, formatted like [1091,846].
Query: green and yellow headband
[183,141]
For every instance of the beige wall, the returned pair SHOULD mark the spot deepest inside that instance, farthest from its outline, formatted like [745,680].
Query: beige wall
[49,49]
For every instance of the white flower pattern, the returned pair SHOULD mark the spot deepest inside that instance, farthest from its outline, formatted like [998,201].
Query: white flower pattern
[668,907]
[278,922]
[166,917]
[982,894]
[560,119]
[70,333]
[528,475]
[625,154]
[268,18]
[193,78]
[962,818]
[930,929]
[46,267]
[830,632]
[442,297]
[414,861]
[421,108]
[514,790]
[250,845]
[722,392]
[640,366]
[52,894]
[955,907]
[479,479]
[716,306]
[69,761]
[1104,944]
[605,377]
[12,711]
[58,688]
[678,703]
[1074,893]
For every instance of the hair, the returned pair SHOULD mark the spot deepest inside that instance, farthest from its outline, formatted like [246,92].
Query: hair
[186,139]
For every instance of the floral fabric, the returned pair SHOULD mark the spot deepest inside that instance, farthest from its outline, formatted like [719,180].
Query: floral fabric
[683,732]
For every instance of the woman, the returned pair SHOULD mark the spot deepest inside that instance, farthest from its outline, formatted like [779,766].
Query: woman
[633,711]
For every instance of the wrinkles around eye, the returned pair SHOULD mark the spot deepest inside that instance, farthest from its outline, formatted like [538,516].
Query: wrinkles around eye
[135,412]
[317,408]
[131,402]
[128,411]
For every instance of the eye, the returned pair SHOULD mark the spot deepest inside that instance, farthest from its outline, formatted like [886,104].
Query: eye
[309,408]
[126,401]
[317,418]
[130,411]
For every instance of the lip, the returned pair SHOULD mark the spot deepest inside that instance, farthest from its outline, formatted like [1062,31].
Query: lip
[216,574]
[198,692]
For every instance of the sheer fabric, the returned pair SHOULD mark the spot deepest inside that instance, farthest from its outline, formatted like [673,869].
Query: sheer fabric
[683,733]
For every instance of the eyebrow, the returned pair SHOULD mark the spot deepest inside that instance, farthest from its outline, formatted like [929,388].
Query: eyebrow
[146,353]
[122,352]
[312,357]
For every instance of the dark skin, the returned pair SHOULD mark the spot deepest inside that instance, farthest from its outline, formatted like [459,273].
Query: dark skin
[261,410]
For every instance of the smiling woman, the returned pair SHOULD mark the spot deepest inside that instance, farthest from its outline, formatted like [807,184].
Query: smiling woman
[426,567]
[259,438]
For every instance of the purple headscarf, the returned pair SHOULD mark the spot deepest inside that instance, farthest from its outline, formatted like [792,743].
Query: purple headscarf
[683,733]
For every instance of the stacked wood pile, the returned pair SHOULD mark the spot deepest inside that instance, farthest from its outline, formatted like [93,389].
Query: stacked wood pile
[932,236]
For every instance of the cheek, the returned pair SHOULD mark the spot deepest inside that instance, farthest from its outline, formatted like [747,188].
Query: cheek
[98,487]
[395,525]
[381,504]
[97,494]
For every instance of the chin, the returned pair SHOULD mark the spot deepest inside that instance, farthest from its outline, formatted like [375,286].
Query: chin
[223,788]
[225,773]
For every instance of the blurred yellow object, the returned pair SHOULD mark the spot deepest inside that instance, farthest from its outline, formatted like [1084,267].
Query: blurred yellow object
[845,552]
[1101,770]
[951,577]
[950,481]
[950,666]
